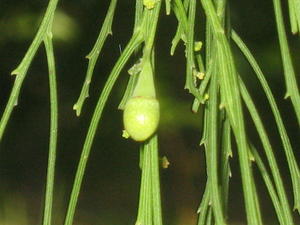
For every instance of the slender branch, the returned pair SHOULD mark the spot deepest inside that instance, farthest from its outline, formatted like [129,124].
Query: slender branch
[135,41]
[292,90]
[53,130]
[231,100]
[22,69]
[94,54]
[292,162]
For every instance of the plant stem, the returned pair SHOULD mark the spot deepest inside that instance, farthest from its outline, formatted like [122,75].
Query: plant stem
[225,167]
[53,130]
[190,63]
[231,99]
[212,147]
[289,72]
[149,211]
[269,184]
[22,69]
[94,54]
[292,162]
[135,41]
[285,211]
[157,217]
[204,205]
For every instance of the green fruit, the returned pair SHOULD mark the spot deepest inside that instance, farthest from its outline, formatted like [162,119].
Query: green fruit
[141,117]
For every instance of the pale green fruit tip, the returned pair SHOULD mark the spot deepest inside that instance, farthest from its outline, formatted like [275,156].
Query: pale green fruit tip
[141,117]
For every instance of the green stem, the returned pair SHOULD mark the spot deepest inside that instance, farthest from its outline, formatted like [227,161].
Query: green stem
[149,211]
[150,33]
[212,147]
[94,54]
[147,184]
[180,13]
[269,184]
[289,72]
[136,68]
[145,83]
[53,130]
[143,187]
[225,167]
[293,18]
[292,162]
[157,217]
[232,102]
[135,41]
[180,34]
[190,63]
[285,211]
[204,205]
[22,69]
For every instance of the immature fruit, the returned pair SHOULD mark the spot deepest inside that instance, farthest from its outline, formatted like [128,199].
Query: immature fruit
[141,117]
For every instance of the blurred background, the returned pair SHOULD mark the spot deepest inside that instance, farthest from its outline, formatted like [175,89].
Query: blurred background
[110,190]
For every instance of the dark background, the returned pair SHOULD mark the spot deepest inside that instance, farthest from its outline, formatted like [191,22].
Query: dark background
[110,189]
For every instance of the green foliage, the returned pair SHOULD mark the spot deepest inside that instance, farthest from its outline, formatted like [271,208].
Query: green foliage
[220,96]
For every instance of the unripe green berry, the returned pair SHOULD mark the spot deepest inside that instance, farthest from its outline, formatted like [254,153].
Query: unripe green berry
[141,117]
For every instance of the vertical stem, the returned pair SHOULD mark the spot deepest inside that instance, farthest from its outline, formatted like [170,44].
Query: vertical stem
[94,55]
[225,167]
[230,97]
[21,70]
[149,212]
[128,51]
[157,217]
[291,160]
[213,147]
[286,212]
[53,131]
[289,72]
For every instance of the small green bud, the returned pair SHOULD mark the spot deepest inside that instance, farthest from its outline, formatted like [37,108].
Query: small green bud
[197,46]
[149,4]
[141,117]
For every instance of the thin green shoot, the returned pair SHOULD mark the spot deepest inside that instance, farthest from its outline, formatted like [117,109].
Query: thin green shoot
[285,211]
[149,211]
[44,34]
[294,11]
[180,32]
[269,184]
[47,219]
[232,102]
[22,68]
[225,166]
[134,42]
[292,90]
[190,83]
[212,148]
[204,206]
[94,54]
[293,166]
